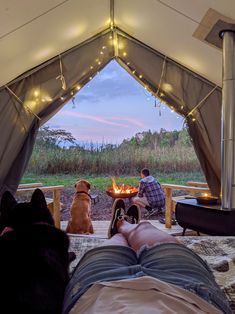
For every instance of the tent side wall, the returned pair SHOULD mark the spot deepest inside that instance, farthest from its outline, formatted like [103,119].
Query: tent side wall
[190,95]
[32,99]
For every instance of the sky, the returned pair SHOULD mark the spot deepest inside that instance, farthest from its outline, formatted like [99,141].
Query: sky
[113,106]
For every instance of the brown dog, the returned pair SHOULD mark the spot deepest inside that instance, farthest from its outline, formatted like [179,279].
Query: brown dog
[80,221]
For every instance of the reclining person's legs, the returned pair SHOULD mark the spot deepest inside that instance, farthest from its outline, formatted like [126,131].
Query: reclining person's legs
[166,260]
[117,239]
[143,234]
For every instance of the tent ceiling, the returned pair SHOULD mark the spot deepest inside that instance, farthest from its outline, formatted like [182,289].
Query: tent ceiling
[32,32]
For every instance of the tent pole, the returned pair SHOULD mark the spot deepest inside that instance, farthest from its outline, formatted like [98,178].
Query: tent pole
[227,125]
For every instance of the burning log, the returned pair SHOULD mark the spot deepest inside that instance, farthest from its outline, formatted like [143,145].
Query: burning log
[121,191]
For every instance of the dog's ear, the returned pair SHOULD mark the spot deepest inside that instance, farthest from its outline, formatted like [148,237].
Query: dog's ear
[38,198]
[8,201]
[88,185]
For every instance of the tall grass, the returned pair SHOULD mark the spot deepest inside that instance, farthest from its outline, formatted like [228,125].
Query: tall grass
[118,161]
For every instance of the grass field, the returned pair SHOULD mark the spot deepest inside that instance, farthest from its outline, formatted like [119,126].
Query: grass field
[125,161]
[102,182]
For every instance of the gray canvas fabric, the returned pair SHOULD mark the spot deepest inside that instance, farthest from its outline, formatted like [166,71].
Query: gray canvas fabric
[17,123]
[40,90]
[182,90]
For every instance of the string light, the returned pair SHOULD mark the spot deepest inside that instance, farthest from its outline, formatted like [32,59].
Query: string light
[115,42]
[36,93]
[74,103]
[47,98]
[76,88]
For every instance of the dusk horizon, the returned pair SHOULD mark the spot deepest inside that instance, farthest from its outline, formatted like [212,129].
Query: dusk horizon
[112,107]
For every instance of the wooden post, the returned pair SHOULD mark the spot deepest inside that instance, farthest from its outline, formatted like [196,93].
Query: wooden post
[56,207]
[168,213]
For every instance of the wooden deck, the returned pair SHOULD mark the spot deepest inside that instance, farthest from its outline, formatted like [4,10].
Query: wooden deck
[101,228]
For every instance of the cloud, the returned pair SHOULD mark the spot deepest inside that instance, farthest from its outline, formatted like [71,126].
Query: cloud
[93,118]
[129,120]
[112,82]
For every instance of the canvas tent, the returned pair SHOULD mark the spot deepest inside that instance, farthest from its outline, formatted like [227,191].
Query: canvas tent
[49,49]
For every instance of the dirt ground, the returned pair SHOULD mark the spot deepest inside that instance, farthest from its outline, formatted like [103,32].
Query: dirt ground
[100,211]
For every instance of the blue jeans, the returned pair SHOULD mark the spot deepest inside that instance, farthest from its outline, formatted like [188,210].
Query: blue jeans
[169,262]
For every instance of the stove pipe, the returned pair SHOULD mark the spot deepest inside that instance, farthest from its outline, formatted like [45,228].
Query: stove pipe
[227,125]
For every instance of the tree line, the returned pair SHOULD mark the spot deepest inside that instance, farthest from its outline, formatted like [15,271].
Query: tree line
[59,138]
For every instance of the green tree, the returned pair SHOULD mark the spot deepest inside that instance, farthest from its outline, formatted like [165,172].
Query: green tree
[184,138]
[53,137]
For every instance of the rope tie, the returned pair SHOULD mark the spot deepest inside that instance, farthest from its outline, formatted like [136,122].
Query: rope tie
[201,102]
[21,102]
[61,76]
[162,73]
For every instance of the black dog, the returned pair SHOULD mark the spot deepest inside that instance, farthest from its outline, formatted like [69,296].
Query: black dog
[34,257]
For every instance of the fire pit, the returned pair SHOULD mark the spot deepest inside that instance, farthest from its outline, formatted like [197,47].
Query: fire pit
[121,191]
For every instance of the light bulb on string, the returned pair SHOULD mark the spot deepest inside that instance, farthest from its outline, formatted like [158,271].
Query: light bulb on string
[157,104]
[73,102]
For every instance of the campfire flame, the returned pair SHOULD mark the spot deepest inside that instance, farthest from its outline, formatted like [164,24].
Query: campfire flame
[121,189]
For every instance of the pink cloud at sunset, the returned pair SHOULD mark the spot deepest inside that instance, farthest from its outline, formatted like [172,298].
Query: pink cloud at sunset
[102,119]
[113,107]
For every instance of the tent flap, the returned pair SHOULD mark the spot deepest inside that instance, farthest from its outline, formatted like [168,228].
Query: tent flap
[43,91]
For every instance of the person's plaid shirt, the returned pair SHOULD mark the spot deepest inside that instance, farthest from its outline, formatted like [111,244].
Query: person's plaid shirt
[153,192]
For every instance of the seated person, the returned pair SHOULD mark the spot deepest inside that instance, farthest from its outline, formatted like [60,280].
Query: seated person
[151,195]
[141,269]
